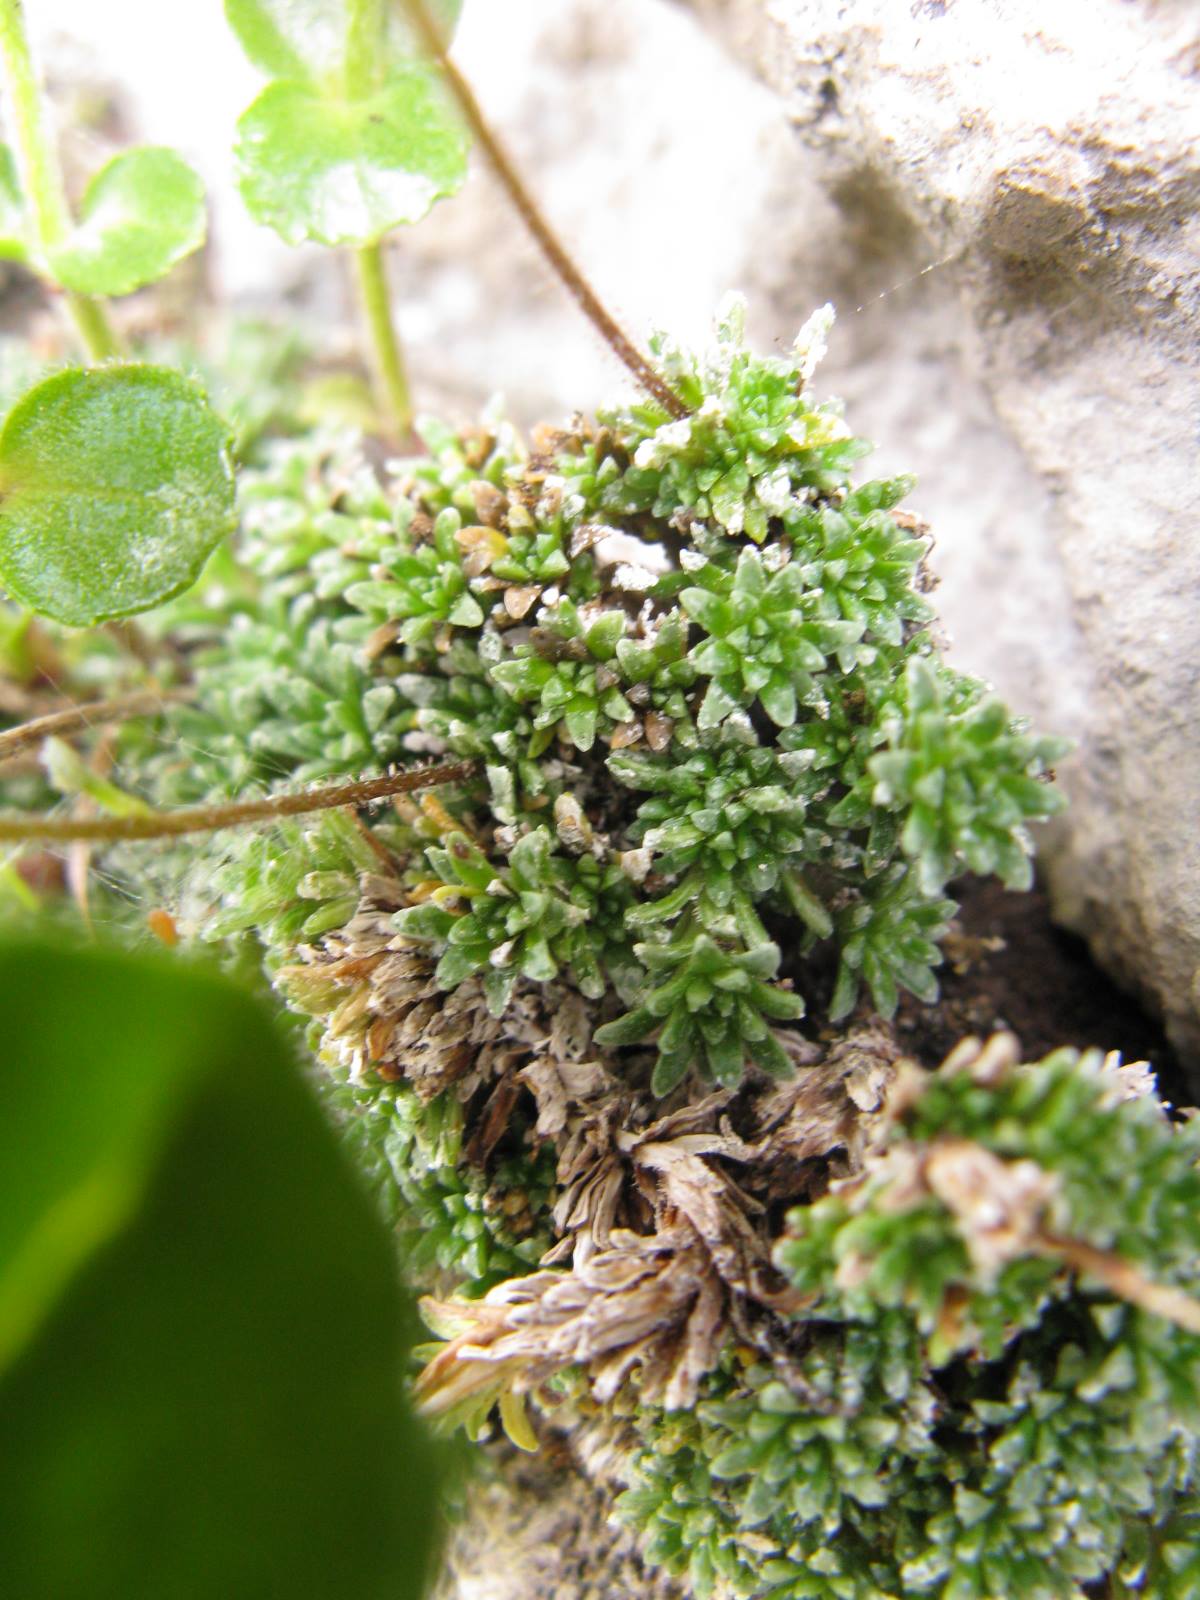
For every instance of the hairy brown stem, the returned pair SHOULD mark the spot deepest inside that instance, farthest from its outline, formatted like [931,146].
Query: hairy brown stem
[141,703]
[207,819]
[535,220]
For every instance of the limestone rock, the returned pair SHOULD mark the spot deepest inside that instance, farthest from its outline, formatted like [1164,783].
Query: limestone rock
[535,1528]
[1048,157]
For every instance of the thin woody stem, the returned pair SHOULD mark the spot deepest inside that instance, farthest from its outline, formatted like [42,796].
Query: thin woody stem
[1126,1281]
[141,703]
[208,819]
[531,213]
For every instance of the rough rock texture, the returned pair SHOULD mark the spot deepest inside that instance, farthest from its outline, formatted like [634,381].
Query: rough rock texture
[1050,154]
[539,1530]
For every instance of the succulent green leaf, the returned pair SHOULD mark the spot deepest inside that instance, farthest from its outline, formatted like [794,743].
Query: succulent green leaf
[807,907]
[669,1072]
[185,1263]
[779,701]
[14,221]
[604,633]
[141,213]
[116,484]
[307,38]
[316,166]
[626,1030]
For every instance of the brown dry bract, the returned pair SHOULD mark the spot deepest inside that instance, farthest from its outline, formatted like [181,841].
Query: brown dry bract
[661,1299]
[656,1302]
[663,1208]
[397,1021]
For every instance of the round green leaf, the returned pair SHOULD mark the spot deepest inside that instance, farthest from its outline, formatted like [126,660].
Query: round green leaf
[116,484]
[307,38]
[14,241]
[345,173]
[142,212]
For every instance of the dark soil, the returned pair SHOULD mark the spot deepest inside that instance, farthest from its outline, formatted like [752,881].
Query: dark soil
[1008,967]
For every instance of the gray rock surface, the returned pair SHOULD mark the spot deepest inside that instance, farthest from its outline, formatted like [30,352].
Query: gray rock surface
[1050,154]
[538,1529]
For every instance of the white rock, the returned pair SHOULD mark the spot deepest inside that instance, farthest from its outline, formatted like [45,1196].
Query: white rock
[1049,156]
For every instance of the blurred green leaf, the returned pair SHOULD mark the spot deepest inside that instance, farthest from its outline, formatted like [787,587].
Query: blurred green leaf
[70,774]
[200,1329]
[115,486]
[302,39]
[14,240]
[290,38]
[141,213]
[344,172]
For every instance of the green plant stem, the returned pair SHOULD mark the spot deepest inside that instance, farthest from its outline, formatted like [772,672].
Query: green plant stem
[391,379]
[92,325]
[41,175]
[365,24]
[535,220]
[364,47]
[208,819]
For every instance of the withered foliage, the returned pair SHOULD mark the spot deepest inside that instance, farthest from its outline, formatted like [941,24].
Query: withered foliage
[664,1209]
